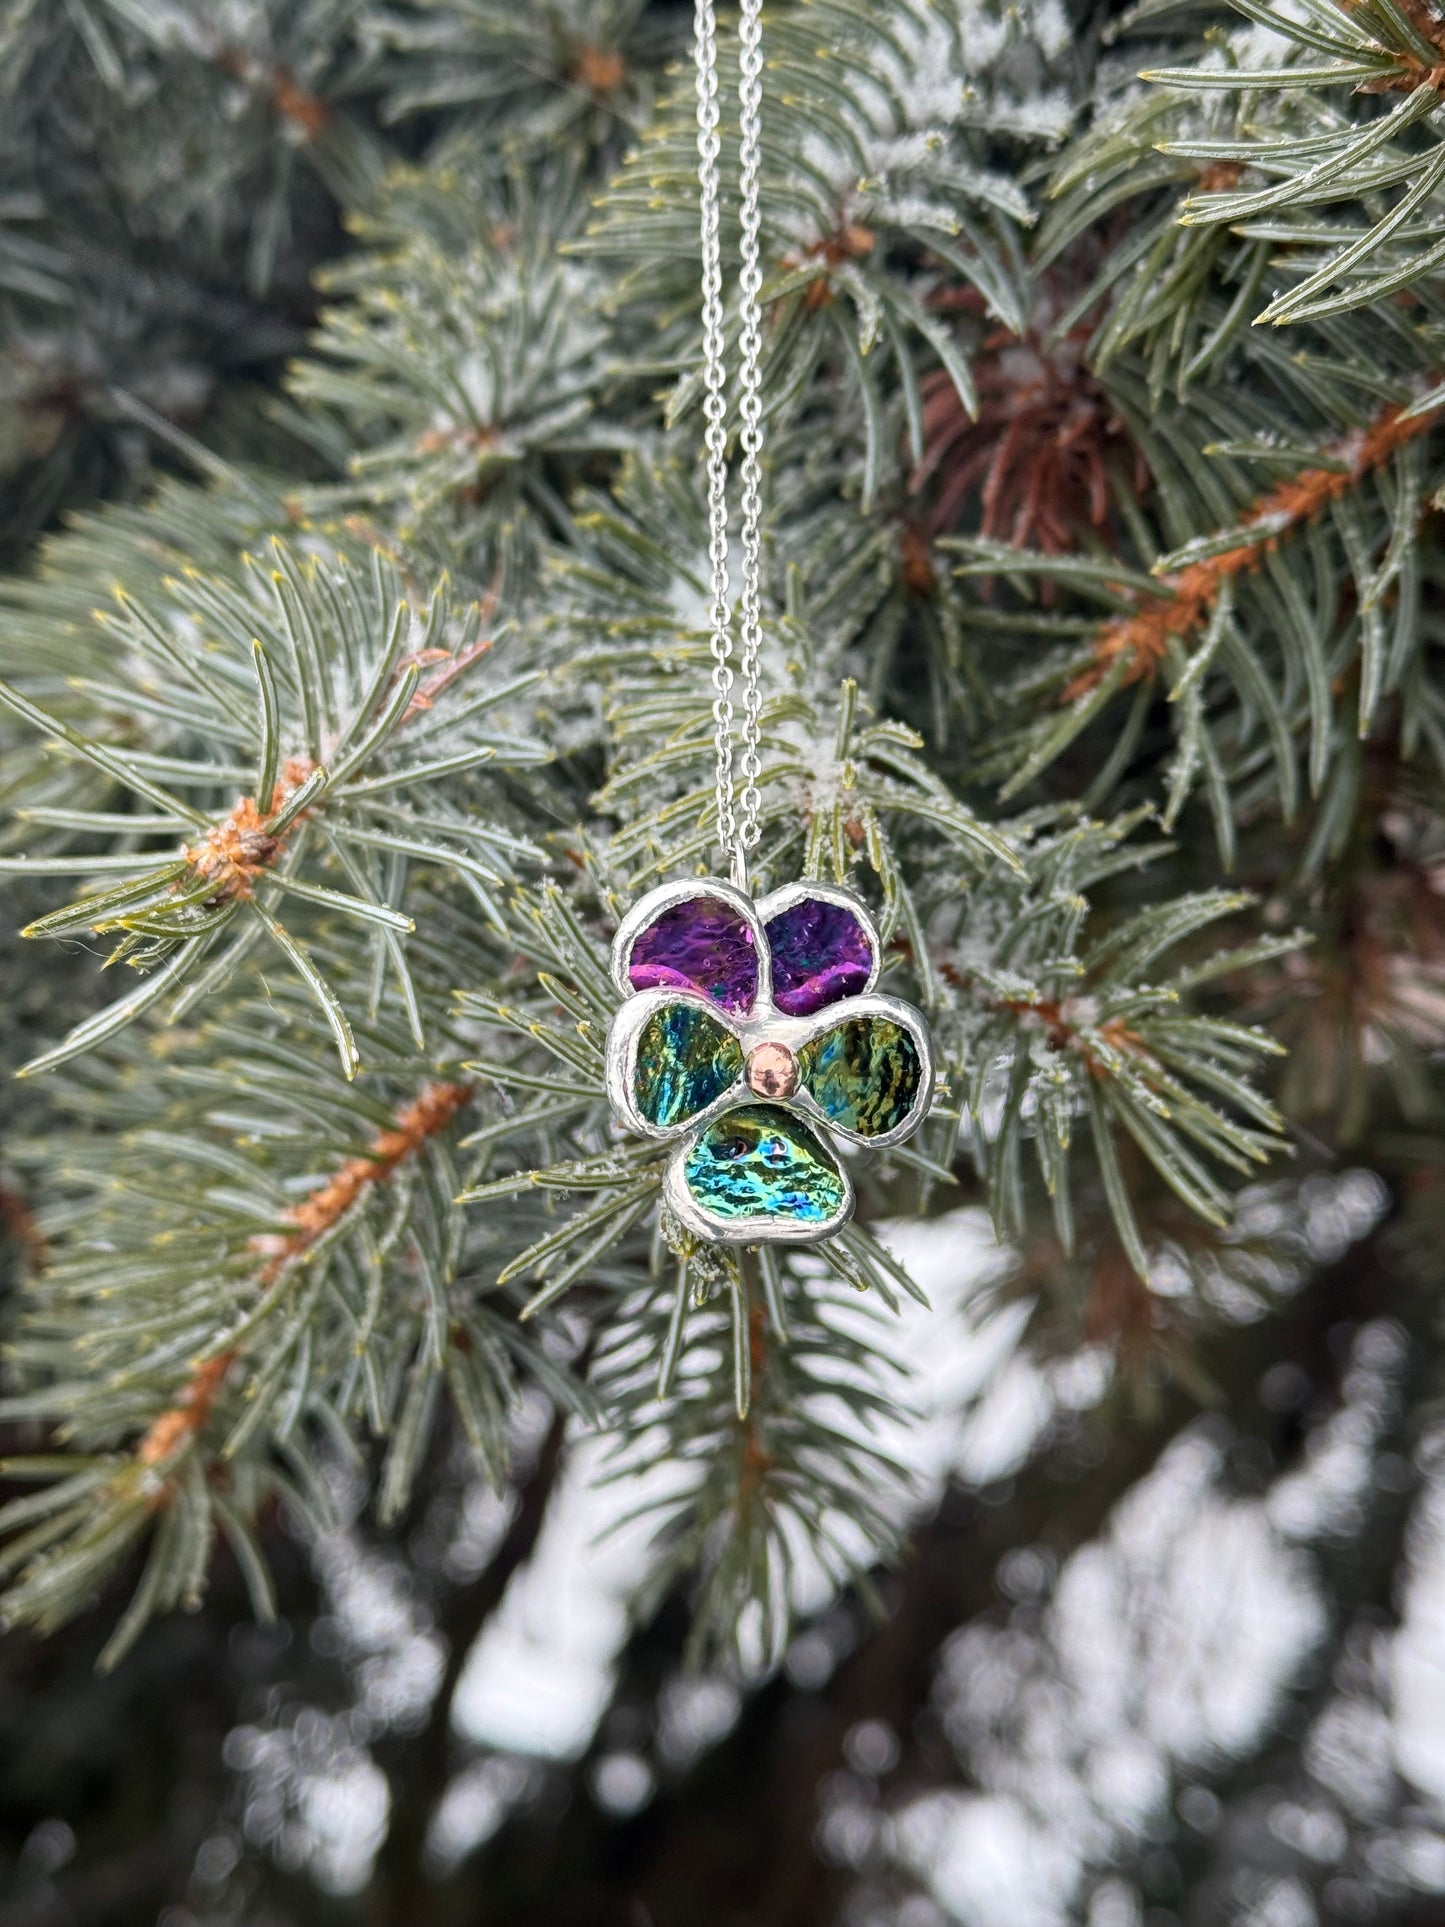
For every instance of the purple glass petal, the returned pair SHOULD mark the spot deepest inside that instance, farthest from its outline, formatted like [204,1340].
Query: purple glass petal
[699,944]
[821,952]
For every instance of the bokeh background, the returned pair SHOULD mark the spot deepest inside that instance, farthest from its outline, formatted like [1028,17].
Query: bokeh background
[1159,1651]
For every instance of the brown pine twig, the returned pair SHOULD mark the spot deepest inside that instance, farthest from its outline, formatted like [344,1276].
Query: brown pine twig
[1053,1018]
[1046,448]
[304,109]
[414,1125]
[188,1415]
[298,105]
[1219,176]
[456,665]
[1141,641]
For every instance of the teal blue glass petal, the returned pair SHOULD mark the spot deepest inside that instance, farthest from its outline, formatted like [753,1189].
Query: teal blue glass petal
[686,1059]
[865,1074]
[762,1165]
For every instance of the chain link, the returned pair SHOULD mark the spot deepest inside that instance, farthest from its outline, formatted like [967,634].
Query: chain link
[737,814]
[750,104]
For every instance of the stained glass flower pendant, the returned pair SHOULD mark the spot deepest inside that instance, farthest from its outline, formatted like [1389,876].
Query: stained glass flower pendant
[750,1034]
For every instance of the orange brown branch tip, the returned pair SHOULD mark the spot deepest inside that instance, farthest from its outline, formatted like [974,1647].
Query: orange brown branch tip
[476,435]
[1054,1020]
[1414,74]
[188,1416]
[915,562]
[601,70]
[849,242]
[1410,70]
[1050,1017]
[1141,641]
[234,852]
[292,101]
[296,104]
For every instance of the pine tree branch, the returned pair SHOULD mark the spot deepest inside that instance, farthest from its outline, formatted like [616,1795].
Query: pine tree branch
[1139,644]
[67,1541]
[318,1213]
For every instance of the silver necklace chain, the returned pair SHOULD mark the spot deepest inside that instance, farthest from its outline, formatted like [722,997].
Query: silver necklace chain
[737,809]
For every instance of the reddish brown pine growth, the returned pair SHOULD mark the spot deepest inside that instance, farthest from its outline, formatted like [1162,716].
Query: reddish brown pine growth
[415,1123]
[234,852]
[850,242]
[294,103]
[189,1415]
[1410,70]
[306,111]
[601,70]
[418,1121]
[1142,640]
[1220,176]
[1053,1019]
[916,563]
[1037,456]
[463,435]
[18,1220]
[456,665]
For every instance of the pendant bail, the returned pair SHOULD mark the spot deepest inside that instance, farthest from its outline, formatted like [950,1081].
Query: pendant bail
[740,868]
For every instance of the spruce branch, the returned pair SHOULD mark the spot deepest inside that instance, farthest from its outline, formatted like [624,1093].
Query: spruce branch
[186,910]
[1382,50]
[551,73]
[469,360]
[1225,612]
[766,1477]
[1055,1025]
[325,758]
[1263,131]
[875,174]
[196,1458]
[289,79]
[1141,642]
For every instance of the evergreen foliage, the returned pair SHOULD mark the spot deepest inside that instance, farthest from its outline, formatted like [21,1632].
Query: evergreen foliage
[1100,656]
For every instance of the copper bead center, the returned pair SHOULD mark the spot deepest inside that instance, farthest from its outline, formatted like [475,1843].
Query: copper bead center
[772,1071]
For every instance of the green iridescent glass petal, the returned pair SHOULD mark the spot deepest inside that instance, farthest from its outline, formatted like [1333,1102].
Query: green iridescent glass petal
[686,1059]
[864,1074]
[759,1163]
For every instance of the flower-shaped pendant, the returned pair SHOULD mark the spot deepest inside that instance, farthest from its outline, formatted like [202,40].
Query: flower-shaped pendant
[748,1032]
